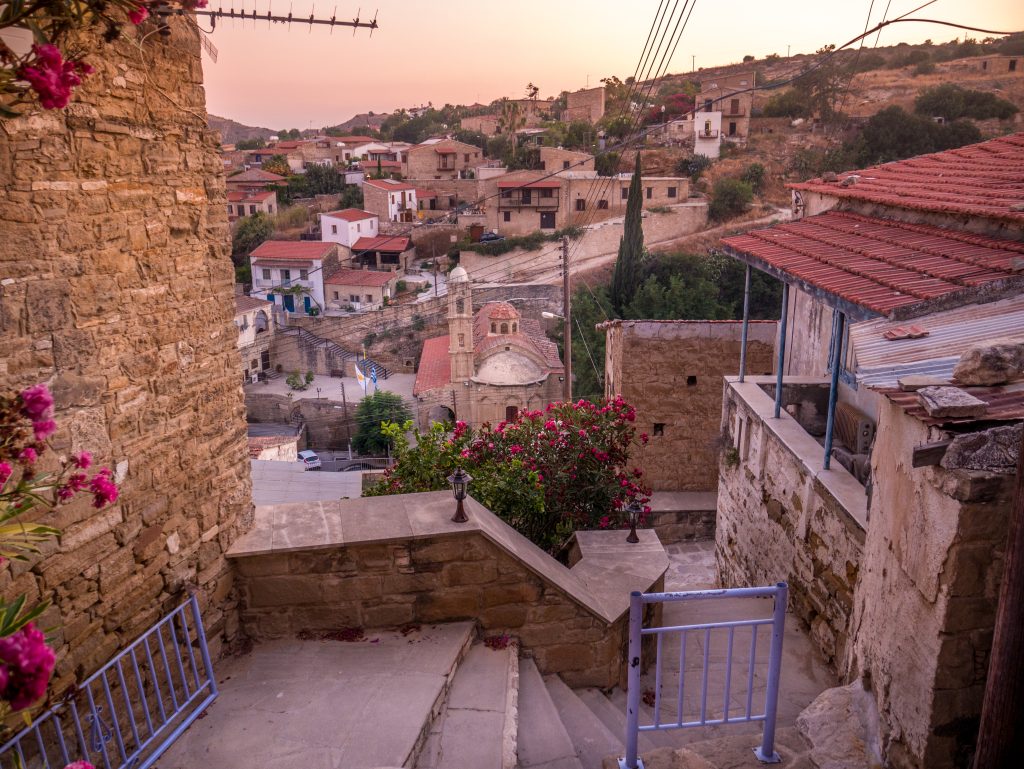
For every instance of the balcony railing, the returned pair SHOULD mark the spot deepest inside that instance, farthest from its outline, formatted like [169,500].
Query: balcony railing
[542,204]
[707,134]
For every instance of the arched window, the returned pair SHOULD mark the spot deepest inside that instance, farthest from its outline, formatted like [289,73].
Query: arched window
[460,306]
[515,327]
[504,328]
[494,327]
[462,340]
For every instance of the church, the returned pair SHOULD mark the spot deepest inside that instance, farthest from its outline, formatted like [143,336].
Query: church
[489,367]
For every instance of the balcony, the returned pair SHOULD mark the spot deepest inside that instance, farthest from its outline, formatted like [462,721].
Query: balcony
[707,134]
[534,203]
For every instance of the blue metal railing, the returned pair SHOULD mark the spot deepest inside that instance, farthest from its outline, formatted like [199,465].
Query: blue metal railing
[131,710]
[765,752]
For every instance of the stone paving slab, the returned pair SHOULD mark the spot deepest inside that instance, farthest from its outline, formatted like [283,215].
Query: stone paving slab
[324,704]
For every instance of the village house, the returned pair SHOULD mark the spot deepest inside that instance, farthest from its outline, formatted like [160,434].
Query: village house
[245,202]
[485,124]
[390,199]
[868,470]
[441,159]
[254,319]
[348,225]
[489,367]
[560,159]
[587,104]
[730,95]
[359,289]
[707,133]
[385,253]
[253,180]
[290,273]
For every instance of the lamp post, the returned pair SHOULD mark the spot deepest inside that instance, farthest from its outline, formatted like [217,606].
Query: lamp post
[460,482]
[633,510]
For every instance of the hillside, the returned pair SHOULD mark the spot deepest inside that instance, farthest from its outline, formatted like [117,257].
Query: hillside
[232,131]
[360,120]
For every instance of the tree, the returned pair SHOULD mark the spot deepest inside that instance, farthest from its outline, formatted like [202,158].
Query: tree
[747,58]
[626,277]
[532,91]
[893,134]
[791,103]
[693,166]
[249,233]
[510,120]
[251,144]
[729,198]
[754,175]
[606,163]
[372,412]
[951,102]
[277,164]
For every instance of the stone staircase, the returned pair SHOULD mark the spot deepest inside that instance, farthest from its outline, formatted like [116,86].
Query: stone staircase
[336,355]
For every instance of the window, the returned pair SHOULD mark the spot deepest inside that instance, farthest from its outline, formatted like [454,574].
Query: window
[230,210]
[691,381]
[359,227]
[734,107]
[547,193]
[494,327]
[336,295]
[462,340]
[507,216]
[286,275]
[602,204]
[1013,65]
[625,193]
[547,220]
[659,428]
[650,192]
[527,196]
[543,165]
[671,192]
[581,204]
[732,128]
[334,229]
[511,413]
[506,193]
[303,274]
[565,164]
[708,105]
[252,209]
[515,327]
[504,328]
[465,157]
[354,298]
[266,274]
[369,298]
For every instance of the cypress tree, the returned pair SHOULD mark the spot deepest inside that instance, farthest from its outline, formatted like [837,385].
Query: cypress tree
[626,278]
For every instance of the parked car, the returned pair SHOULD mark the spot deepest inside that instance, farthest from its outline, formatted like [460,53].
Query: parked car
[309,460]
[491,237]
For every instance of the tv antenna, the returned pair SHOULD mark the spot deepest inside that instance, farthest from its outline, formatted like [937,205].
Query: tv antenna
[271,18]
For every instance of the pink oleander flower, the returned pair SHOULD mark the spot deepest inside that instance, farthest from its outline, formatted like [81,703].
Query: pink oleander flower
[36,402]
[103,489]
[80,765]
[27,662]
[139,15]
[5,472]
[514,449]
[28,455]
[52,77]
[605,522]
[43,429]
[550,425]
[644,438]
[82,460]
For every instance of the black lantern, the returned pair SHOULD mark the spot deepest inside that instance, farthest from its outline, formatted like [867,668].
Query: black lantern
[633,510]
[460,483]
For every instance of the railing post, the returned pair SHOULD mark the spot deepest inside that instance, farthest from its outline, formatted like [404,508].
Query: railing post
[766,752]
[746,324]
[782,349]
[203,647]
[636,620]
[833,389]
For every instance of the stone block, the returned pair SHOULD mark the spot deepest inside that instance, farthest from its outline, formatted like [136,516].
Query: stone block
[951,402]
[995,362]
[334,588]
[387,615]
[284,590]
[504,616]
[448,605]
[472,573]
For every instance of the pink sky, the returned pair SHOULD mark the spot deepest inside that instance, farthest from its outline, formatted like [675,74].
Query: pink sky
[461,51]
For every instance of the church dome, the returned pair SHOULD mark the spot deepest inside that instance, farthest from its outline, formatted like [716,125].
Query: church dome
[502,311]
[458,275]
[508,368]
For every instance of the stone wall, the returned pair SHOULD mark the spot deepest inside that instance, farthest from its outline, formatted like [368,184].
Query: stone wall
[117,291]
[586,104]
[327,424]
[671,371]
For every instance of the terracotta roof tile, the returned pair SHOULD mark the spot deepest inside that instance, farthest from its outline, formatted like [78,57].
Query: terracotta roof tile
[435,369]
[246,303]
[389,243]
[255,175]
[879,264]
[391,185]
[351,214]
[293,249]
[346,277]
[984,179]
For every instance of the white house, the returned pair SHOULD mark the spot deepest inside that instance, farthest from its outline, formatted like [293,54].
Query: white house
[290,273]
[390,199]
[346,226]
[254,319]
[707,129]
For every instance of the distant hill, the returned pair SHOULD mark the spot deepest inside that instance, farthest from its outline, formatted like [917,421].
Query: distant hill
[232,131]
[363,119]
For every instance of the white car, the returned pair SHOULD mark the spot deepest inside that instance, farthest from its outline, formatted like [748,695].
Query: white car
[309,459]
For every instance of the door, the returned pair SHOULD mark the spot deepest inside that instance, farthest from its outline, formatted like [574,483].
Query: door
[547,220]
[265,360]
[527,197]
[289,302]
[306,304]
[511,412]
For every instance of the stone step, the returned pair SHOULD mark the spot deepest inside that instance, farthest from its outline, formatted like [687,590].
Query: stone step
[591,738]
[477,726]
[542,740]
[732,751]
[614,717]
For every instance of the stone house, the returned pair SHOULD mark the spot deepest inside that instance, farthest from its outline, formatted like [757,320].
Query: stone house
[441,159]
[587,104]
[359,290]
[289,273]
[672,372]
[253,180]
[382,253]
[731,96]
[1010,65]
[559,159]
[894,275]
[254,319]
[346,226]
[489,367]
[390,199]
[242,203]
[485,124]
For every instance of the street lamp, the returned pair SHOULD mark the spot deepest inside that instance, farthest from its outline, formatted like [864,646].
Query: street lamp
[633,510]
[460,482]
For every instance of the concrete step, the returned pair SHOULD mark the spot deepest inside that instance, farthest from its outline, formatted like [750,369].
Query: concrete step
[542,740]
[477,726]
[591,738]
[614,717]
[733,751]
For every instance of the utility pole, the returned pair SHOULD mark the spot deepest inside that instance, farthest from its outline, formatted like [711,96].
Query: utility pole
[433,255]
[787,50]
[693,62]
[567,320]
[1000,739]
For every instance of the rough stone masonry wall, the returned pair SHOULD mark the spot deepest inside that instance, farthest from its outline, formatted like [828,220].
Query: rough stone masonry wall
[437,579]
[117,290]
[671,371]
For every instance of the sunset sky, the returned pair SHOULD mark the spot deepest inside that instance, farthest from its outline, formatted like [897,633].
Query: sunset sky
[462,51]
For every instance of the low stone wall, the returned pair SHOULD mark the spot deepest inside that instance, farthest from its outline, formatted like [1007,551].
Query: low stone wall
[683,516]
[779,519]
[327,423]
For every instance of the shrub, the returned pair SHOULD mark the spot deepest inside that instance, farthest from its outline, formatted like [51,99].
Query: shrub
[401,286]
[924,68]
[951,102]
[418,322]
[296,381]
[791,103]
[309,377]
[729,198]
[373,412]
[547,473]
[754,176]
[693,166]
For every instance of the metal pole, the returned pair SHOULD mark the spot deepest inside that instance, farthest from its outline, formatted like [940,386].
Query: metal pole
[636,621]
[1000,738]
[204,650]
[782,350]
[833,391]
[746,323]
[766,752]
[567,324]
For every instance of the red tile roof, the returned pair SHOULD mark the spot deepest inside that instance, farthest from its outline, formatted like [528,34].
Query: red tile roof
[540,185]
[246,303]
[425,194]
[391,185]
[293,249]
[499,311]
[985,179]
[878,264]
[435,369]
[351,214]
[255,175]
[345,277]
[389,243]
[353,139]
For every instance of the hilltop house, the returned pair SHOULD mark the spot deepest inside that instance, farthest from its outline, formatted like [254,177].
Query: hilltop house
[290,273]
[897,279]
[246,202]
[348,225]
[441,159]
[389,199]
[730,95]
[253,180]
[358,290]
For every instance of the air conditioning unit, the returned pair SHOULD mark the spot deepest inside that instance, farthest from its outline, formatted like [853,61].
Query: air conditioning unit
[853,429]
